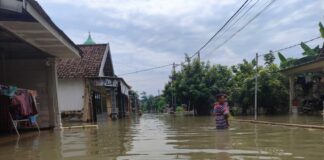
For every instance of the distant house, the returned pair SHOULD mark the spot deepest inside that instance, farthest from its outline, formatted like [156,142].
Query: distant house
[79,84]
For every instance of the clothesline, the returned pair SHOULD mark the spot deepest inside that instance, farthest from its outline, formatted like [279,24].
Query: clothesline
[33,92]
[1,85]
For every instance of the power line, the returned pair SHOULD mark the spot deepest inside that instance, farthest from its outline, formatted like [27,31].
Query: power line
[292,46]
[163,66]
[145,70]
[257,15]
[228,21]
[244,14]
[282,49]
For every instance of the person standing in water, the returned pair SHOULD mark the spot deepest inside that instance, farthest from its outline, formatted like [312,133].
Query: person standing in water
[221,112]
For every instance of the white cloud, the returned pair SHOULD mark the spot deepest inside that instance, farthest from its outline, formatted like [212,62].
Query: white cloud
[290,36]
[151,7]
[223,56]
[293,17]
[148,33]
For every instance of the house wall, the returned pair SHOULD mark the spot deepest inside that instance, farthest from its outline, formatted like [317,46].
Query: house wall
[109,103]
[87,111]
[39,75]
[71,94]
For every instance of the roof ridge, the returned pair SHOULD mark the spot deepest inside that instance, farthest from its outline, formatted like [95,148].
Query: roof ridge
[100,44]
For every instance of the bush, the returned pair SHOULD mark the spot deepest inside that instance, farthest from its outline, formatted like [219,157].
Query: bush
[179,109]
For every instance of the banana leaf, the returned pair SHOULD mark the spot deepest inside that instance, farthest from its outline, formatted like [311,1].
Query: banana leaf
[282,57]
[321,29]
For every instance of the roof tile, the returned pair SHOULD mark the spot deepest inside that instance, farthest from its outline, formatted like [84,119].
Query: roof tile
[87,66]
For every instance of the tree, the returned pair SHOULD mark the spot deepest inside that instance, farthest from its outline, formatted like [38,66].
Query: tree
[196,85]
[133,95]
[309,54]
[272,88]
[161,104]
[269,58]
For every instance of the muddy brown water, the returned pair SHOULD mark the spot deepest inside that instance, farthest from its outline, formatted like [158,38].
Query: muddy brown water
[173,137]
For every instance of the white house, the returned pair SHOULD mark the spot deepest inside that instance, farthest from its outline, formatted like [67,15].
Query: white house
[79,92]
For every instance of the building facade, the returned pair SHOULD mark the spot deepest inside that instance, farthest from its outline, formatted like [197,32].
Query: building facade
[88,87]
[30,43]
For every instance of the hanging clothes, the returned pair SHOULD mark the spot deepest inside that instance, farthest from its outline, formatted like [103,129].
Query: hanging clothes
[20,103]
[8,91]
[26,103]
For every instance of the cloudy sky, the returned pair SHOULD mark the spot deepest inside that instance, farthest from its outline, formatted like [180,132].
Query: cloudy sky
[149,33]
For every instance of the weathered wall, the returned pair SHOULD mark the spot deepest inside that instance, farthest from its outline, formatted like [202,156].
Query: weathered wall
[109,103]
[71,94]
[87,111]
[34,74]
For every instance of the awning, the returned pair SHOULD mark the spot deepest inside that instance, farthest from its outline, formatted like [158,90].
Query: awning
[313,66]
[28,21]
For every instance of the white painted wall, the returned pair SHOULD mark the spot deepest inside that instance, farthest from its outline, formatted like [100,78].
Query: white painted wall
[70,94]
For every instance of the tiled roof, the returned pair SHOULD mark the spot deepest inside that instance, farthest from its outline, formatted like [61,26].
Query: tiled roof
[87,66]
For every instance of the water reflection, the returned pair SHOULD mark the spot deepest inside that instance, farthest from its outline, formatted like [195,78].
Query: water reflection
[171,137]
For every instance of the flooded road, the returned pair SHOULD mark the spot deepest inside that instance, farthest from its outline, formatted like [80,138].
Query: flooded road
[171,137]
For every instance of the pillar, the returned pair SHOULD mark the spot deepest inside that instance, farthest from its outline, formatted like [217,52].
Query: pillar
[53,108]
[291,93]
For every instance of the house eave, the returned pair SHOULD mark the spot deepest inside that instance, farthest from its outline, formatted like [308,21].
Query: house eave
[313,66]
[29,22]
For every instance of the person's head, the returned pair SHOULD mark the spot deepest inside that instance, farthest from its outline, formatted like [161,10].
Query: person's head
[221,98]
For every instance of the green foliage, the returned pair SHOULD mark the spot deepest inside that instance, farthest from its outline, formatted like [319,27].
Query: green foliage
[273,91]
[272,88]
[307,50]
[179,109]
[321,29]
[289,63]
[161,104]
[282,58]
[269,58]
[153,104]
[134,99]
[309,55]
[197,83]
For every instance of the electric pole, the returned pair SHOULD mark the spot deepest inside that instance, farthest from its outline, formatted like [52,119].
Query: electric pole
[173,96]
[256,88]
[198,56]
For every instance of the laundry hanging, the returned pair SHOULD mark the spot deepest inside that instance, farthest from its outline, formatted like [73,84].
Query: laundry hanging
[20,103]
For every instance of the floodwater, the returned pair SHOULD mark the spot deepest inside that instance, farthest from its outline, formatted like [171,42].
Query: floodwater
[172,137]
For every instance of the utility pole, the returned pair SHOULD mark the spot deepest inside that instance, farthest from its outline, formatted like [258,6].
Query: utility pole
[173,77]
[198,56]
[256,88]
